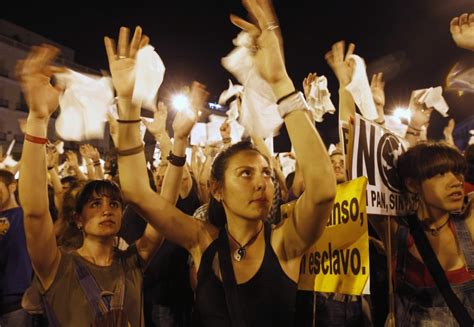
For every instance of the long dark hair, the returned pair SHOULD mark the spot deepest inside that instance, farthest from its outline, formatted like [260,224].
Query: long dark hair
[426,160]
[216,211]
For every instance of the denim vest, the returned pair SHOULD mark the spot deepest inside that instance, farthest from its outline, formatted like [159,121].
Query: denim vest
[426,306]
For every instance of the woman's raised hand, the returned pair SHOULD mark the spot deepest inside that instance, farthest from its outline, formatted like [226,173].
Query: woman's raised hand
[121,58]
[34,74]
[268,58]
[462,31]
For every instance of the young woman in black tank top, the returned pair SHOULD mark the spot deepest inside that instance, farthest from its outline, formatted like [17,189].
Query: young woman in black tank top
[264,261]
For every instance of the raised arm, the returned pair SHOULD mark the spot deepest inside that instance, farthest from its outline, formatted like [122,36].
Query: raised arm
[377,85]
[42,98]
[342,67]
[313,208]
[161,214]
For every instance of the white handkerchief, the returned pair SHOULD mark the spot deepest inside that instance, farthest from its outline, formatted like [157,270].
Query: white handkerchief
[9,161]
[60,147]
[331,149]
[150,71]
[232,90]
[239,62]
[432,98]
[319,99]
[10,147]
[471,139]
[395,125]
[236,131]
[359,88]
[84,105]
[258,112]
[233,111]
[287,163]
[199,134]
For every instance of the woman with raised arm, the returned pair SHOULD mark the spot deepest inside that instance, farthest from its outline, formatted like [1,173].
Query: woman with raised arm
[254,280]
[97,283]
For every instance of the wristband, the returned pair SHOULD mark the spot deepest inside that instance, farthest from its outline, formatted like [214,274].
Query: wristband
[130,152]
[35,139]
[133,121]
[414,128]
[413,133]
[286,96]
[97,163]
[176,160]
[294,101]
[227,139]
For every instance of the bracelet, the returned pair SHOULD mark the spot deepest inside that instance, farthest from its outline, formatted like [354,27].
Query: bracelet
[413,133]
[176,160]
[97,163]
[227,139]
[286,96]
[414,128]
[130,152]
[292,102]
[380,122]
[49,168]
[35,139]
[133,121]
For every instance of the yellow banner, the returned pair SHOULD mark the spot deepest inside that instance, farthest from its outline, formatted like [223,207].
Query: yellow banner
[339,261]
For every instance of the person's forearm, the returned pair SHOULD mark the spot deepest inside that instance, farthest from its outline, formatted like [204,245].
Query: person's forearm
[347,107]
[174,174]
[133,175]
[79,174]
[90,170]
[99,172]
[33,177]
[55,180]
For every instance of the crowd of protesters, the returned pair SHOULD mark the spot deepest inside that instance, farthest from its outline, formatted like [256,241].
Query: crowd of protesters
[203,242]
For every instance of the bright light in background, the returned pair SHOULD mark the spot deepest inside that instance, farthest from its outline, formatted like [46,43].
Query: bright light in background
[180,102]
[403,114]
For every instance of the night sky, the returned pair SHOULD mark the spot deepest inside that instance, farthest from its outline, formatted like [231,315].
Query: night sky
[408,40]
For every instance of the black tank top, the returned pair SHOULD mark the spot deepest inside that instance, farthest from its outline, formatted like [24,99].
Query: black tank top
[267,299]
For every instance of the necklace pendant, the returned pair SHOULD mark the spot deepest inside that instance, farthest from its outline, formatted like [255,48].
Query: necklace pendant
[239,254]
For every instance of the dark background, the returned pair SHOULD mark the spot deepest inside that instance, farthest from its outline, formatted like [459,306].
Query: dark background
[408,40]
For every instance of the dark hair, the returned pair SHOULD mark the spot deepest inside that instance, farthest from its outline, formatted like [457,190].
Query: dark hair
[289,180]
[469,155]
[69,179]
[100,188]
[68,235]
[7,177]
[217,215]
[426,160]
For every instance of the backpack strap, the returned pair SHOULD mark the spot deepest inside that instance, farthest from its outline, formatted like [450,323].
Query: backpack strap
[431,261]
[92,291]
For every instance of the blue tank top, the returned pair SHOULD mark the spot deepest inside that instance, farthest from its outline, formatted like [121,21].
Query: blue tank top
[267,299]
